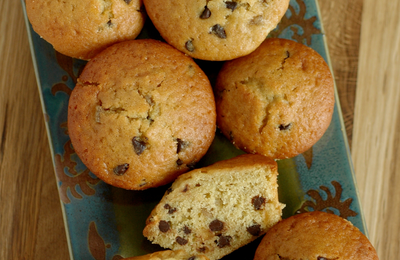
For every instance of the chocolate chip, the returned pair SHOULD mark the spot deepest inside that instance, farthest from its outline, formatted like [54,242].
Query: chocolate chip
[191,165]
[192,258]
[216,225]
[128,1]
[189,46]
[169,190]
[254,230]
[187,230]
[163,226]
[219,31]
[121,169]
[202,249]
[109,23]
[206,13]
[139,144]
[258,202]
[186,188]
[171,210]
[284,127]
[181,145]
[181,240]
[223,241]
[179,162]
[231,5]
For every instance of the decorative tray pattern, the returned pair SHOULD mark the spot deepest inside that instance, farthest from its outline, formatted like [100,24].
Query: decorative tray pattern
[104,222]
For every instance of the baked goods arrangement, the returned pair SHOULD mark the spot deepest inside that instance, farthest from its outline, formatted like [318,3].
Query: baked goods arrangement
[143,114]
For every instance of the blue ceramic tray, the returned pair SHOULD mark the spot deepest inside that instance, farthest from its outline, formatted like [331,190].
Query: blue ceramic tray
[104,222]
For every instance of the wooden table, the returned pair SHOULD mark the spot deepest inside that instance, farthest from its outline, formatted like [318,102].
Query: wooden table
[364,43]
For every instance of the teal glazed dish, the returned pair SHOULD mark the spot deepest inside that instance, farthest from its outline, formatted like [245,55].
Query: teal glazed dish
[104,222]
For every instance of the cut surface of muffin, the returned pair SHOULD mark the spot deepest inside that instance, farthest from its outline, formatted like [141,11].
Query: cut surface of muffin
[217,209]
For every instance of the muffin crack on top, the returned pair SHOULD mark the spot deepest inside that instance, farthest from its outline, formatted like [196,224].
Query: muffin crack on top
[119,108]
[284,60]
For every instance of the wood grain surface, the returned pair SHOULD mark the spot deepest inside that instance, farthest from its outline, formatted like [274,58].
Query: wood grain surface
[364,43]
[376,135]
[31,223]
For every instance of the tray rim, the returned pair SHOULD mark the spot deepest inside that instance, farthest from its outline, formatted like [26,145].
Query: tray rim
[342,124]
[38,84]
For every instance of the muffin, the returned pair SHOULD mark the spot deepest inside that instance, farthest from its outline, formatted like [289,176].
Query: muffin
[215,30]
[82,29]
[278,101]
[217,209]
[141,114]
[315,236]
[168,255]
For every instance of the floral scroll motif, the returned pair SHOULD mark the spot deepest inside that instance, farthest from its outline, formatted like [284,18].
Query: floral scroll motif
[97,246]
[73,179]
[82,179]
[330,203]
[67,64]
[296,21]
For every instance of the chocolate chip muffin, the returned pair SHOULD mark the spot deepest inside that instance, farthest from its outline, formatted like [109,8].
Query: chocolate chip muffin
[315,236]
[278,101]
[81,29]
[169,255]
[215,30]
[141,114]
[217,209]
